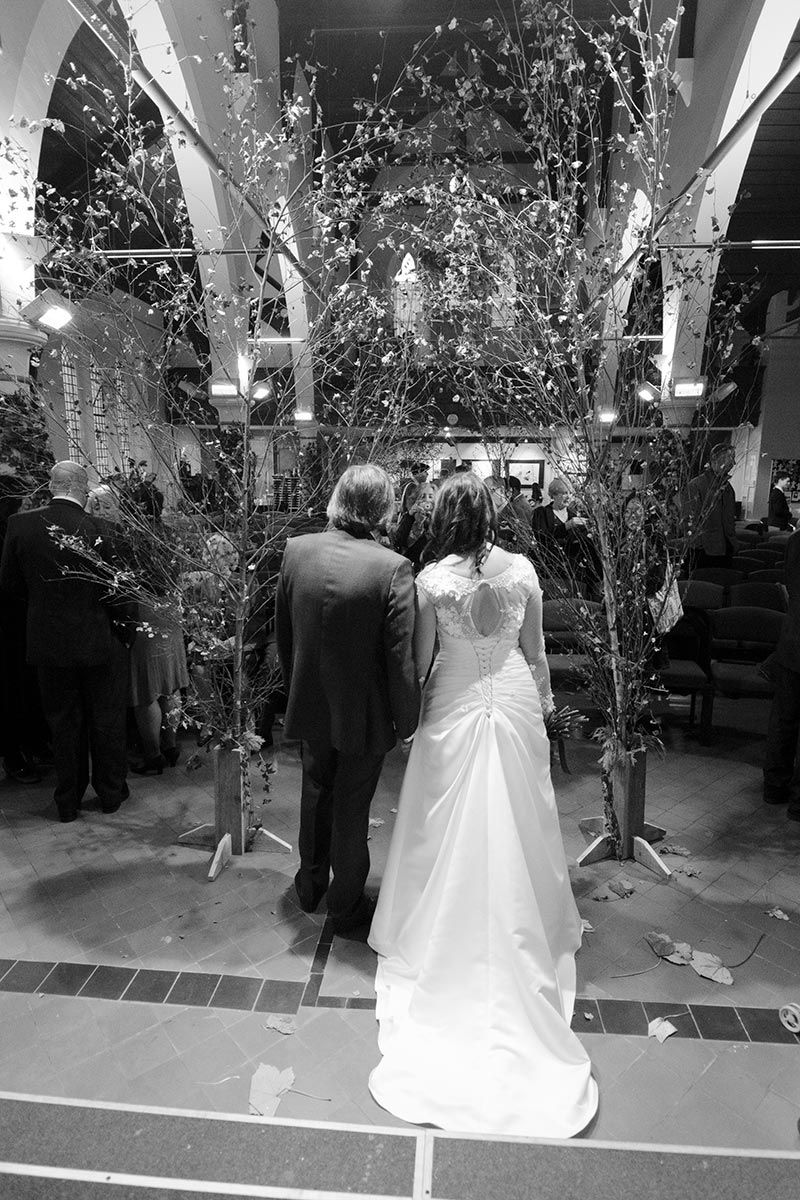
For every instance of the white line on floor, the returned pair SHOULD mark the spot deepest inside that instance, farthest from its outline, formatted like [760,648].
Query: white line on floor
[184,1185]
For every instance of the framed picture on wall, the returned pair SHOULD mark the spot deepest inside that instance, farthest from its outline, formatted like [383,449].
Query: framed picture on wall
[528,471]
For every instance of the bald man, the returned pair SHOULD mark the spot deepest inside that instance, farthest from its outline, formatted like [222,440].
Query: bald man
[81,664]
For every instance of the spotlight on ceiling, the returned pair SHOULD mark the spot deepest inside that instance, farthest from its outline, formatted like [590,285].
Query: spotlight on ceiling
[50,310]
[261,391]
[303,414]
[649,393]
[723,391]
[606,416]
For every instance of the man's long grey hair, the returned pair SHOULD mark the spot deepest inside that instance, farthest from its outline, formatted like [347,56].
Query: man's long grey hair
[362,501]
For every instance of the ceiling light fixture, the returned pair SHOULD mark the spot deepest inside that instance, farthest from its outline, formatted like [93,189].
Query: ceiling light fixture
[689,389]
[50,310]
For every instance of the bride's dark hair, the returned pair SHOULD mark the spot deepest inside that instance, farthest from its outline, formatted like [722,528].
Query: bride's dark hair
[464,518]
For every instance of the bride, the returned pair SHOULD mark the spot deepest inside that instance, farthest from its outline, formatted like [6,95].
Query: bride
[476,926]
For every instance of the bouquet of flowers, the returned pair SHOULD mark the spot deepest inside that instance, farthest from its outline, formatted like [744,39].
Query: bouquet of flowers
[563,723]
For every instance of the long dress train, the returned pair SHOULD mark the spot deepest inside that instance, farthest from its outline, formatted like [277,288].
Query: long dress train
[476,926]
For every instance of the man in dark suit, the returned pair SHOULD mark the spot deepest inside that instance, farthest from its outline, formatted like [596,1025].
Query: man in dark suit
[81,664]
[345,611]
[782,753]
[712,509]
[780,515]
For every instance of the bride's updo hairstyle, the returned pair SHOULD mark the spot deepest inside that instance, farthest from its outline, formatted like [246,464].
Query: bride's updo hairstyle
[464,518]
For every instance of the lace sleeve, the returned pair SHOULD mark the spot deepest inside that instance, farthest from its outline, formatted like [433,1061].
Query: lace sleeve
[531,640]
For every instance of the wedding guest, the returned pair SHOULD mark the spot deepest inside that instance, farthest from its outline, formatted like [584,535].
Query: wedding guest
[712,511]
[158,656]
[344,623]
[81,664]
[780,515]
[517,513]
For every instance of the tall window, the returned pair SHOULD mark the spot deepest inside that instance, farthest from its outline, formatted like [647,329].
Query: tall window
[72,405]
[100,418]
[407,299]
[122,419]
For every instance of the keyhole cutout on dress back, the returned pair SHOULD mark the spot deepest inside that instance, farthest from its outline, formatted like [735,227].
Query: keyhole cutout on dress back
[486,610]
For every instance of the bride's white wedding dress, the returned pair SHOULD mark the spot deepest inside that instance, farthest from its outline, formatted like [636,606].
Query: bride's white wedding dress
[476,925]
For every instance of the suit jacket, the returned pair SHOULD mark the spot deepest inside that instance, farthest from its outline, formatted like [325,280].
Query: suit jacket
[787,652]
[344,616]
[779,512]
[717,524]
[67,623]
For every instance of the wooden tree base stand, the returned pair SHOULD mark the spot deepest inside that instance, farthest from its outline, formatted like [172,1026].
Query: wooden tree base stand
[624,787]
[602,845]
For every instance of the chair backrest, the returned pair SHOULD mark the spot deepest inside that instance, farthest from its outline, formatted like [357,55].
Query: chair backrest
[696,594]
[566,622]
[554,588]
[722,575]
[767,575]
[746,538]
[744,634]
[769,556]
[746,563]
[758,595]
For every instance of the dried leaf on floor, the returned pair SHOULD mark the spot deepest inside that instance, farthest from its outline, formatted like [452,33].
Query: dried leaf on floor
[665,947]
[602,893]
[710,967]
[281,1024]
[661,1029]
[688,870]
[674,848]
[777,913]
[266,1088]
[586,926]
[394,810]
[622,886]
[376,822]
[587,1016]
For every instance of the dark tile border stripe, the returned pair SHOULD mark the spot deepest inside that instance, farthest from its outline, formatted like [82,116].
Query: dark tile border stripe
[248,993]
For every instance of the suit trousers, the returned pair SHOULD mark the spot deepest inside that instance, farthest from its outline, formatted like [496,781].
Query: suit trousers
[782,756]
[336,793]
[85,708]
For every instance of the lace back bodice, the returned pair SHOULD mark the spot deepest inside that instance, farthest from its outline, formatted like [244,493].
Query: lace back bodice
[480,610]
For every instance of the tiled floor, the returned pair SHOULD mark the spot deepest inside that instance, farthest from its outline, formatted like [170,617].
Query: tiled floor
[127,976]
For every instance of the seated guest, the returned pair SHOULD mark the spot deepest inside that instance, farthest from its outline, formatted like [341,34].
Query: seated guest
[780,515]
[81,664]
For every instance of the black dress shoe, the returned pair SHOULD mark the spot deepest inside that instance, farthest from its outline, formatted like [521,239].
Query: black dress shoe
[112,806]
[793,813]
[360,916]
[65,815]
[308,903]
[150,766]
[775,796]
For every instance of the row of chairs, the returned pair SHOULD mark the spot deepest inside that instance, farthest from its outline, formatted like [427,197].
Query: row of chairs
[725,576]
[707,595]
[717,648]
